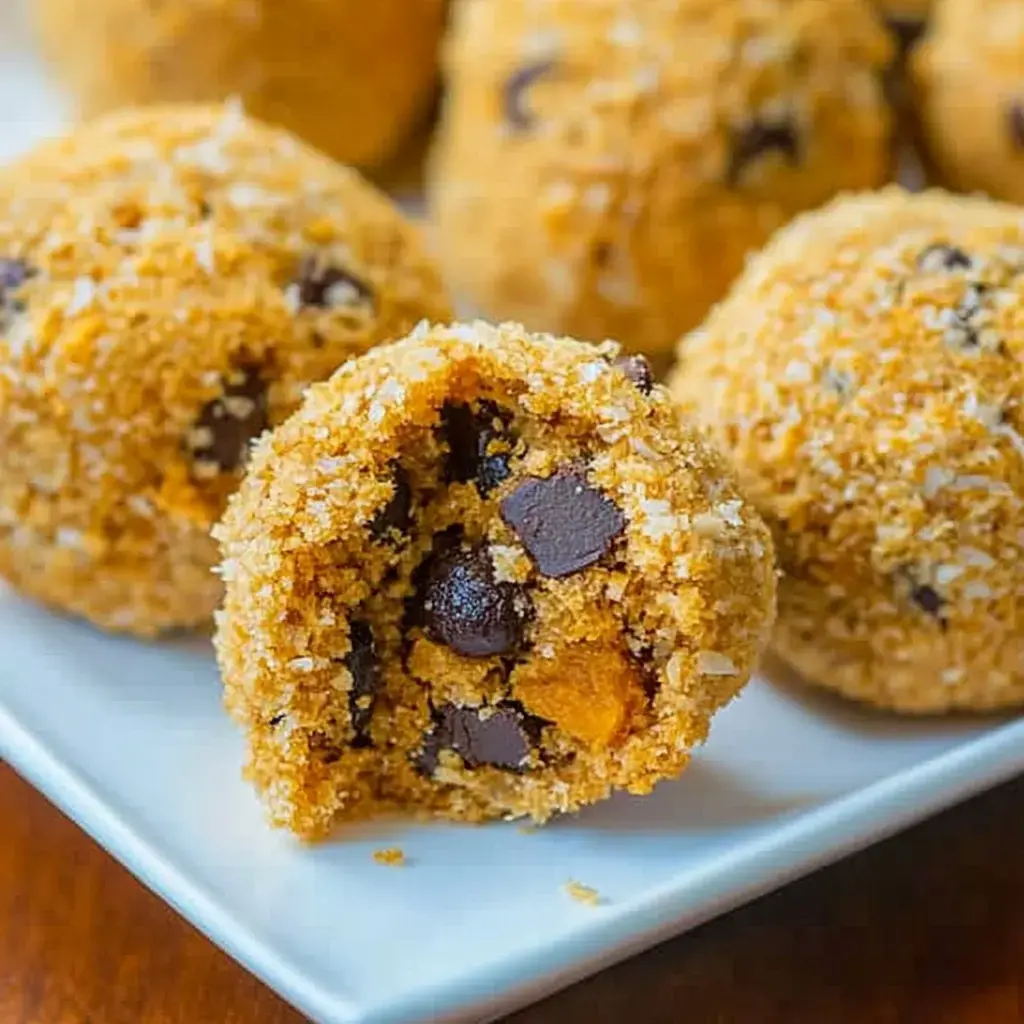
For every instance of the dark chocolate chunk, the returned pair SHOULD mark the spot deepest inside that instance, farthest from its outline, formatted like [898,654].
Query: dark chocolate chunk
[460,430]
[470,435]
[517,85]
[227,426]
[758,138]
[1015,123]
[13,274]
[563,522]
[500,736]
[329,287]
[941,256]
[922,595]
[493,471]
[466,609]
[928,599]
[638,370]
[393,520]
[442,544]
[602,253]
[361,661]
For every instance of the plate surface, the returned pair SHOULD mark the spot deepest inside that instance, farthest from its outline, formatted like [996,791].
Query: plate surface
[130,741]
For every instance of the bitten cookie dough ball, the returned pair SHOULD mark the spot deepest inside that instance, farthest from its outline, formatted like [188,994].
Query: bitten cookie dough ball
[350,77]
[865,377]
[484,574]
[969,79]
[604,167]
[170,282]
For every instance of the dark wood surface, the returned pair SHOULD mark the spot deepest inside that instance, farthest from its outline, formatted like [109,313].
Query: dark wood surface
[927,927]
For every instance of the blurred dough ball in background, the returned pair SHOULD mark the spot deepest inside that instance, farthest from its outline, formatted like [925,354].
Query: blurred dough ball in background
[171,281]
[603,167]
[352,77]
[969,79]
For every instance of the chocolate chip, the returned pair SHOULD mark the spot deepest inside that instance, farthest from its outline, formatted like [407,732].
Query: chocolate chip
[393,520]
[466,609]
[494,470]
[962,329]
[13,274]
[361,661]
[470,435]
[638,370]
[499,736]
[759,138]
[922,595]
[219,441]
[563,522]
[907,32]
[940,256]
[1015,123]
[441,544]
[517,85]
[928,599]
[329,287]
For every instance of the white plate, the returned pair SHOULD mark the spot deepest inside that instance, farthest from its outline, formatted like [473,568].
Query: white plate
[130,741]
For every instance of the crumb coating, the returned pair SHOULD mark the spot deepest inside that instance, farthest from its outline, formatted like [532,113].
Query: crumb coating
[865,378]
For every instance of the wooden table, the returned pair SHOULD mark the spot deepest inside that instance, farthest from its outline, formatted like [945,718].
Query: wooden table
[928,927]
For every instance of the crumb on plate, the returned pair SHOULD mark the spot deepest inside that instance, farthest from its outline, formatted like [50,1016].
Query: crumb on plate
[583,893]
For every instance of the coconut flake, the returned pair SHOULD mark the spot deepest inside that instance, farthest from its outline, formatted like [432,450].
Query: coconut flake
[714,663]
[82,296]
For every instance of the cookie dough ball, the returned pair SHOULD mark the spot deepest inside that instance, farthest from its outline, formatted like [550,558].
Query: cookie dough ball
[969,79]
[604,167]
[170,282]
[484,574]
[350,77]
[865,375]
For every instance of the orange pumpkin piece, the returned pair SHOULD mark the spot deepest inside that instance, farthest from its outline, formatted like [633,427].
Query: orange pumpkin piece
[590,693]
